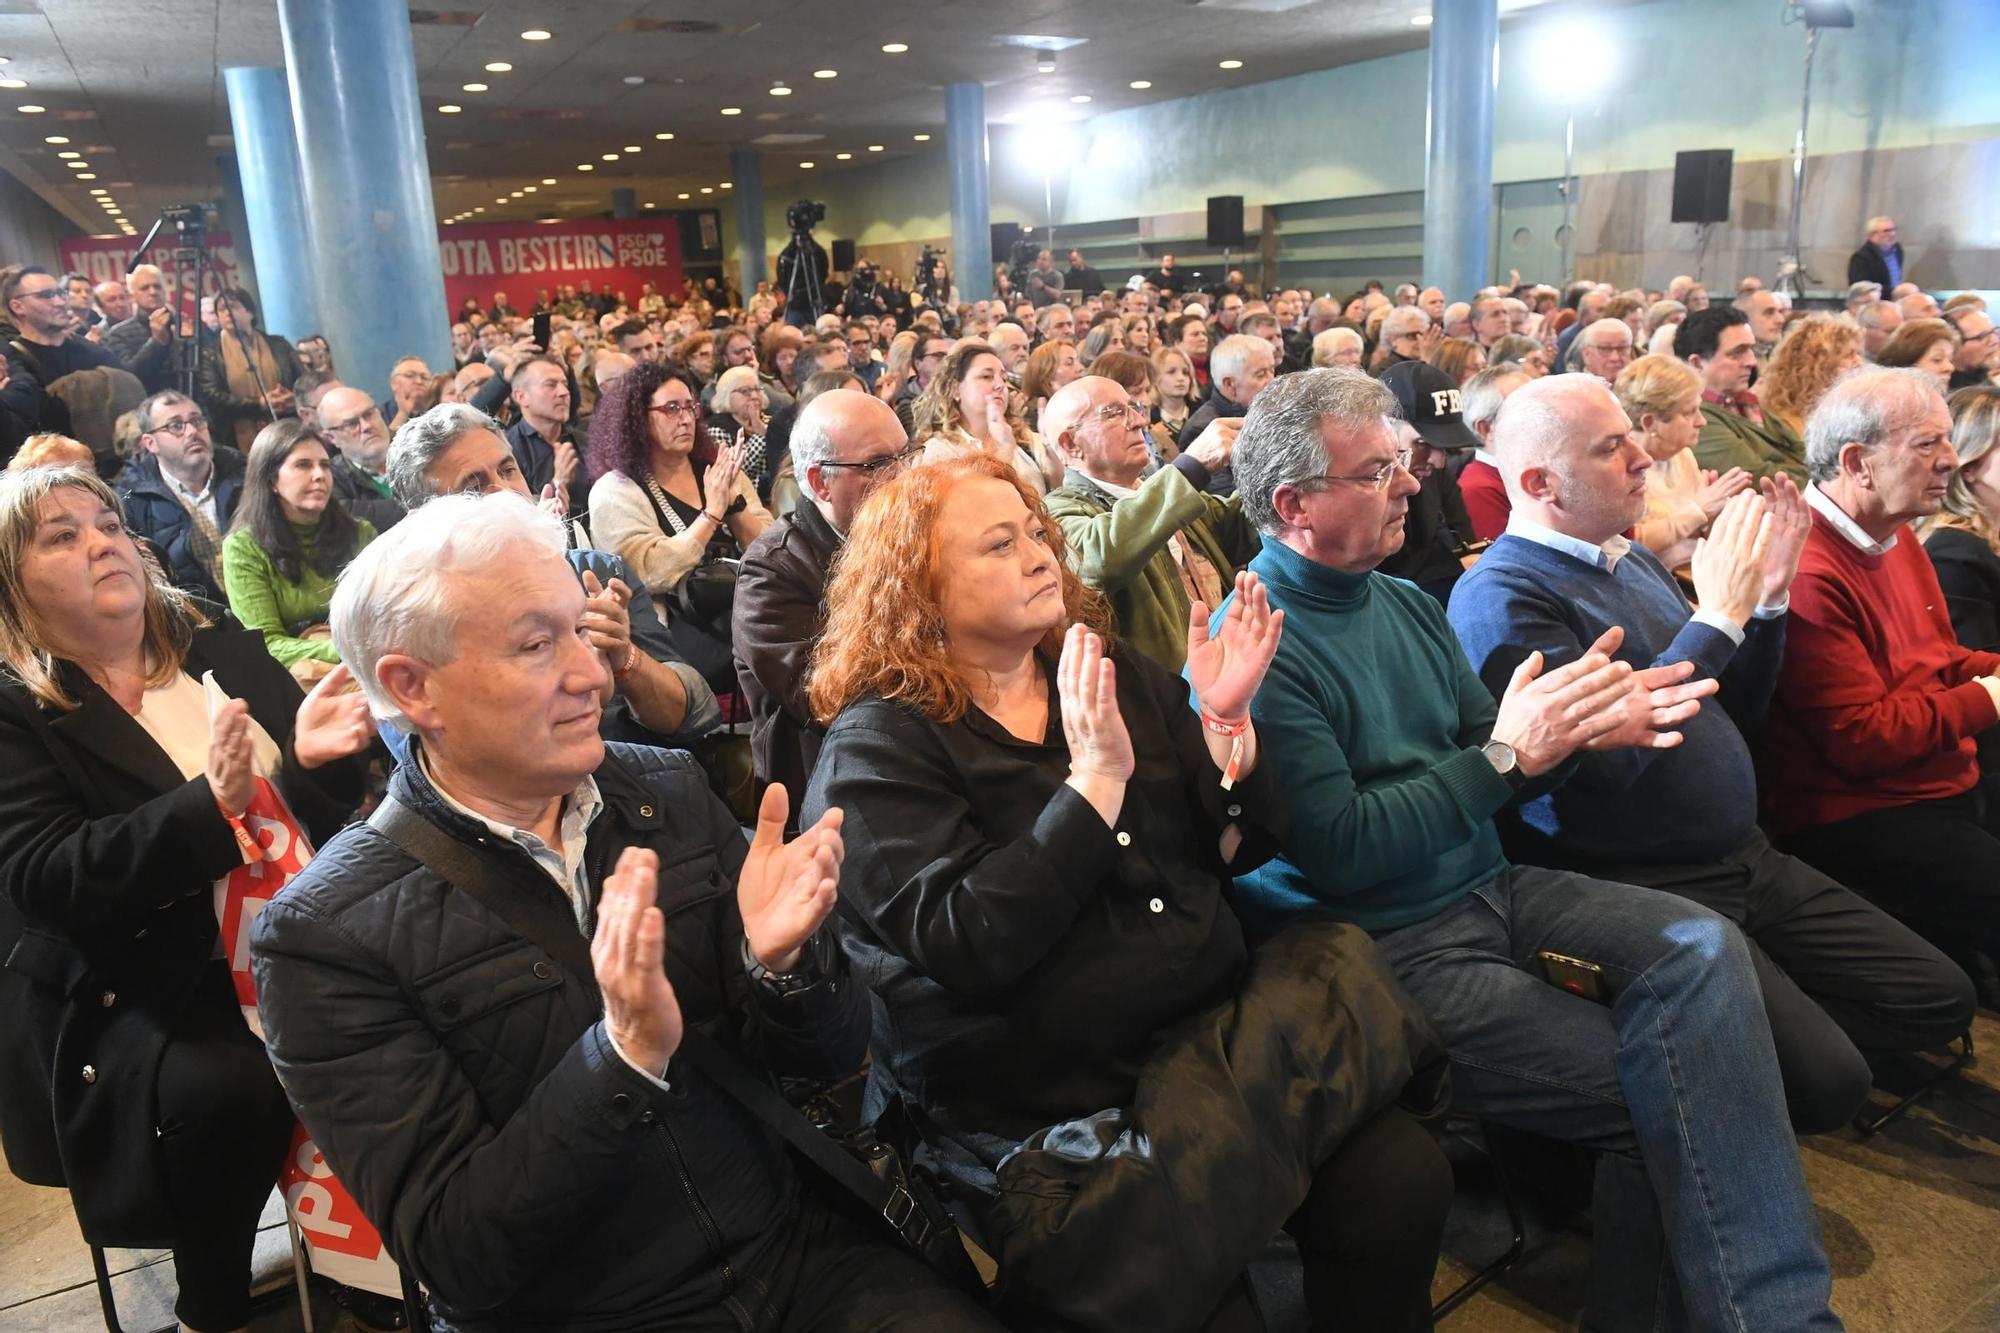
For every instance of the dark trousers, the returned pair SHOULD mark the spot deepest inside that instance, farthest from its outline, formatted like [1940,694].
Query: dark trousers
[224,1128]
[1933,864]
[1840,978]
[830,1274]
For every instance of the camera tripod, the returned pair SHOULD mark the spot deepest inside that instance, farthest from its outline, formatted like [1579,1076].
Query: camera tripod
[805,276]
[190,255]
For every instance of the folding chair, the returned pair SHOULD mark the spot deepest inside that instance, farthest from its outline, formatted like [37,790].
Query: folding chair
[1476,1283]
[1870,1122]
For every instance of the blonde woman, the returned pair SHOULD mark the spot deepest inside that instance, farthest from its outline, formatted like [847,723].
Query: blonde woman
[898,365]
[965,410]
[1963,538]
[1662,396]
[1174,390]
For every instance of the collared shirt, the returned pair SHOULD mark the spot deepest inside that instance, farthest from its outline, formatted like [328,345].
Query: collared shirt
[1823,505]
[204,499]
[1743,403]
[1894,263]
[1606,558]
[1199,576]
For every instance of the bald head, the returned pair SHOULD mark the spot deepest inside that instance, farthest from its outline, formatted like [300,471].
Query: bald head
[1564,448]
[1084,420]
[608,366]
[833,436]
[351,418]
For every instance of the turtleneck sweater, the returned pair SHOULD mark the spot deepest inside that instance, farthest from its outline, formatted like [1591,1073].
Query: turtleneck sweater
[1373,719]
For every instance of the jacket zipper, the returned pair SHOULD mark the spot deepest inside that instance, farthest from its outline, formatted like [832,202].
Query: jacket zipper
[700,1209]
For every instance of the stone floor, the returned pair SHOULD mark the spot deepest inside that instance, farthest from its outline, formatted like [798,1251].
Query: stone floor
[1911,1220]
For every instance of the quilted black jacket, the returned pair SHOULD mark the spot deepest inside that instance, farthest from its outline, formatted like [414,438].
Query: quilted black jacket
[459,1081]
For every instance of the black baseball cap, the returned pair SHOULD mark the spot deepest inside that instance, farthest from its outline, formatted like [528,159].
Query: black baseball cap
[1431,404]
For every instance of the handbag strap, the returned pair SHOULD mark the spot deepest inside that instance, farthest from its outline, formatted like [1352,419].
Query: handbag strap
[473,874]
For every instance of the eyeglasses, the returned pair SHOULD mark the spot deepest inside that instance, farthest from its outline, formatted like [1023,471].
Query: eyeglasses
[45,294]
[360,419]
[1116,413]
[1380,477]
[875,466]
[680,407]
[181,426]
[1981,337]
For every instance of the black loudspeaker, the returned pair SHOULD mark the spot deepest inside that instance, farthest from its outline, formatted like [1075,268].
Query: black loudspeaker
[1004,236]
[843,256]
[1225,221]
[1701,184]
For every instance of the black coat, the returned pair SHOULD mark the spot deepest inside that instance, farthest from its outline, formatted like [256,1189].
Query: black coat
[1867,265]
[154,512]
[779,611]
[1969,573]
[458,1077]
[107,858]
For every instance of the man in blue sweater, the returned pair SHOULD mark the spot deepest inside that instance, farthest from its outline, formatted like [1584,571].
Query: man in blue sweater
[1395,761]
[1836,972]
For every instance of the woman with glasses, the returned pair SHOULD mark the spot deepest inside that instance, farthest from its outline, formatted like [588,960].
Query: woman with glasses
[291,538]
[245,377]
[737,420]
[967,410]
[675,507]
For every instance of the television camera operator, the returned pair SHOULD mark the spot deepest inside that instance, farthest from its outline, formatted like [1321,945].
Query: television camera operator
[864,292]
[803,282]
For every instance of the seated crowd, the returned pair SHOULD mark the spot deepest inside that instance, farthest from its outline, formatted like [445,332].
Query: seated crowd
[1134,760]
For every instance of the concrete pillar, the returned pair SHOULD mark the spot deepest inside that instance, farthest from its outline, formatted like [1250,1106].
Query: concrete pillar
[374,249]
[1458,165]
[971,207]
[267,163]
[624,202]
[746,178]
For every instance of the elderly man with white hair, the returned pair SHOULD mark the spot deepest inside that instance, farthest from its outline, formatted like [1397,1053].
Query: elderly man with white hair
[477,1005]
[844,445]
[1871,765]
[1154,545]
[1839,978]
[1651,1047]
[1238,369]
[1604,348]
[454,449]
[1457,320]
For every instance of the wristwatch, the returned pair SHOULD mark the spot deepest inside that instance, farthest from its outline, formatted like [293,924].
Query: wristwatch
[807,974]
[1505,762]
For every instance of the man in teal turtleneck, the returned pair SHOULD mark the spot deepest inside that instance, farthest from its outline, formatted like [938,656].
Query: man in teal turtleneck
[1395,760]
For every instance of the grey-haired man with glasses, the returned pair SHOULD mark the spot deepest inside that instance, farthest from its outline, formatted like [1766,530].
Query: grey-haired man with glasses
[1147,536]
[180,491]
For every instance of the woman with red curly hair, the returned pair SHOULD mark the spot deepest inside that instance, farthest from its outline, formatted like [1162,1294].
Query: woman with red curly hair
[1040,829]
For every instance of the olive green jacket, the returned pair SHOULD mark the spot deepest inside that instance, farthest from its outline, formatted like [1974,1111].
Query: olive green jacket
[1730,440]
[1120,548]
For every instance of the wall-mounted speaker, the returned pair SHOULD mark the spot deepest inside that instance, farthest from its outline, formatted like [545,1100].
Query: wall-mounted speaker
[1225,221]
[843,256]
[1701,184]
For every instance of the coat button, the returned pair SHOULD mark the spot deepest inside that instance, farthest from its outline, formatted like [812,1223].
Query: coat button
[645,812]
[543,971]
[1157,905]
[1235,810]
[621,1101]
[646,1117]
[1124,838]
[90,1073]
[108,999]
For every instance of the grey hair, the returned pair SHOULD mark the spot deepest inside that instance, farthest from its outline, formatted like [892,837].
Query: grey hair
[1326,340]
[730,380]
[1232,355]
[422,441]
[1283,441]
[1533,424]
[395,597]
[1870,316]
[1663,312]
[1401,320]
[1588,338]
[1479,401]
[1865,408]
[812,433]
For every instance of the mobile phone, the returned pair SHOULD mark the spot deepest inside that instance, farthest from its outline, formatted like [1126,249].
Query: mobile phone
[1574,975]
[542,330]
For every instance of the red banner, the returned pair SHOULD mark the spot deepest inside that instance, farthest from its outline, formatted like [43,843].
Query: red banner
[479,259]
[519,258]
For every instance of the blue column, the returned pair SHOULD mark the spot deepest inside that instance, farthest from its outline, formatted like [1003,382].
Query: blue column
[746,183]
[374,248]
[971,208]
[1458,168]
[267,162]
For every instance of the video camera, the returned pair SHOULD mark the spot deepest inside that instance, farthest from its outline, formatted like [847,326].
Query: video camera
[805,215]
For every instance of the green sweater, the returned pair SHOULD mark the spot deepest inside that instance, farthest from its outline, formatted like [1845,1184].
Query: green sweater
[1373,718]
[1121,548]
[265,600]
[1728,440]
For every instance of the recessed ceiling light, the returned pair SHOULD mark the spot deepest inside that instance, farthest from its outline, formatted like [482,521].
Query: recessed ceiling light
[474,87]
[31,109]
[842,157]
[6,60]
[548,180]
[826,74]
[500,199]
[499,67]
[13,83]
[725,185]
[634,80]
[732,111]
[780,90]
[100,190]
[664,134]
[651,204]
[480,209]
[1140,85]
[86,175]
[611,157]
[1229,64]
[57,138]
[631,148]
[874,147]
[708,189]
[450,109]
[78,165]
[514,194]
[536,35]
[807,165]
[1045,62]
[585,166]
[921,138]
[1080,98]
[683,195]
[529,189]
[1421,21]
[894,48]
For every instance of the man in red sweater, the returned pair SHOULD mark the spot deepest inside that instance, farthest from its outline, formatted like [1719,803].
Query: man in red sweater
[1479,481]
[1869,770]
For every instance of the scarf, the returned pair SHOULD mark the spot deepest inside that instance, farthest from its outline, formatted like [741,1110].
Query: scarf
[242,384]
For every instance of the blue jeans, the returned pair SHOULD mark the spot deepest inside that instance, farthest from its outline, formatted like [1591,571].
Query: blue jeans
[1702,1216]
